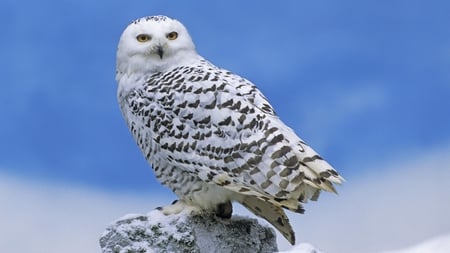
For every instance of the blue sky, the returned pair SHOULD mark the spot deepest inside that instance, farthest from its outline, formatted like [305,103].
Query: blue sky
[365,83]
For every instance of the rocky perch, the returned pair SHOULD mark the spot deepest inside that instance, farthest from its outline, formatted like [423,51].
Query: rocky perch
[156,232]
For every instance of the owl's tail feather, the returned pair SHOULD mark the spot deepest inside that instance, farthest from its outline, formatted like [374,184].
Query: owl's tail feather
[273,214]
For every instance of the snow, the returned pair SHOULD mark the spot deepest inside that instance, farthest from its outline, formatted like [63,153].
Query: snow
[439,244]
[302,248]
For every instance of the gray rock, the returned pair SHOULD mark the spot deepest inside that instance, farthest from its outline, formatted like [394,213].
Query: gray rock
[156,232]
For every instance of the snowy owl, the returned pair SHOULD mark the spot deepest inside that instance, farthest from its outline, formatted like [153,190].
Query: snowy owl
[210,135]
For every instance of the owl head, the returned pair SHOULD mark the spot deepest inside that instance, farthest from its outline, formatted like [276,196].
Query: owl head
[154,44]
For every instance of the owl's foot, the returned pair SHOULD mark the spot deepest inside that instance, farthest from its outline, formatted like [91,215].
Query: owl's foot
[160,208]
[177,207]
[223,210]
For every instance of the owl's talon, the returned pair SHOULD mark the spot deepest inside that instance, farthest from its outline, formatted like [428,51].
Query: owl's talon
[224,210]
[179,206]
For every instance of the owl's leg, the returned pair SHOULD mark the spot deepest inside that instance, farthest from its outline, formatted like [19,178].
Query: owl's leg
[224,210]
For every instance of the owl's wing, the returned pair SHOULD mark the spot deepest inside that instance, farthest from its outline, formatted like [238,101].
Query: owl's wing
[220,127]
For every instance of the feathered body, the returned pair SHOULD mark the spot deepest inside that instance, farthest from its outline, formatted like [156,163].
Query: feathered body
[210,135]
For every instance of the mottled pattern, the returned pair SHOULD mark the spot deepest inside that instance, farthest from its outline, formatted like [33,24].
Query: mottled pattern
[212,137]
[159,18]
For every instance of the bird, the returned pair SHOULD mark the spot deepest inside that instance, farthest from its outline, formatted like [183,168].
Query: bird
[210,135]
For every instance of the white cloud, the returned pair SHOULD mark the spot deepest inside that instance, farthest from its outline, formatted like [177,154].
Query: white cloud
[41,218]
[392,207]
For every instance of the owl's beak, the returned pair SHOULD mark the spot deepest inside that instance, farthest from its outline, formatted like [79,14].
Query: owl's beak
[160,51]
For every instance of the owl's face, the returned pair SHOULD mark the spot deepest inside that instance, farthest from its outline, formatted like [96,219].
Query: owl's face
[150,44]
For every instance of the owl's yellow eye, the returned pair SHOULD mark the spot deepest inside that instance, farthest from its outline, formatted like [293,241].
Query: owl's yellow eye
[172,35]
[143,37]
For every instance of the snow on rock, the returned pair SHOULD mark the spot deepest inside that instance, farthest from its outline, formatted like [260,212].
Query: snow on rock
[156,232]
